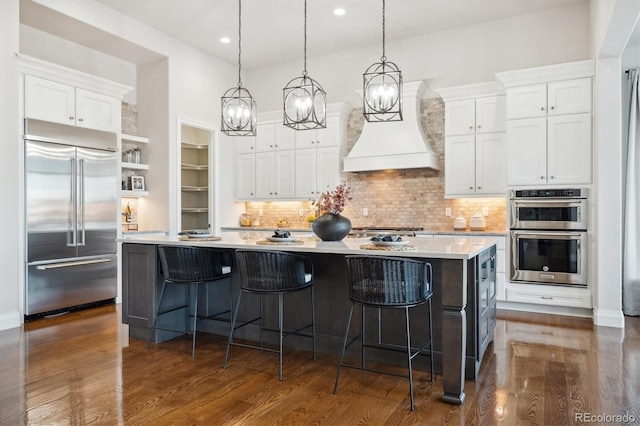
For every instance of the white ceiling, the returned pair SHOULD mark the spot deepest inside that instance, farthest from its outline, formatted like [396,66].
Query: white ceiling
[272,30]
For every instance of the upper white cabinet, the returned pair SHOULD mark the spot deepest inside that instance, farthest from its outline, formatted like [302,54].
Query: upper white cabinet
[281,163]
[475,142]
[549,129]
[61,103]
[556,98]
[470,116]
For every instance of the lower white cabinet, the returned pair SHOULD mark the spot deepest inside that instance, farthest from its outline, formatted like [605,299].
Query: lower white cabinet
[475,165]
[549,295]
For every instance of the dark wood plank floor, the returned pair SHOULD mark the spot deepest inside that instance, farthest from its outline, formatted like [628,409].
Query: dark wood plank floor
[83,369]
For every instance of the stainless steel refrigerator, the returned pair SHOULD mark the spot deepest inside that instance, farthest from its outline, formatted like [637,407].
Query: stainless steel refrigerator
[71,224]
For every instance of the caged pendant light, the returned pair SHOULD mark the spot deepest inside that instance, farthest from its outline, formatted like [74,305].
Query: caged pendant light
[239,111]
[304,99]
[382,87]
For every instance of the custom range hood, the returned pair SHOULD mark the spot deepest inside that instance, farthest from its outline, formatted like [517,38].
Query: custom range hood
[394,144]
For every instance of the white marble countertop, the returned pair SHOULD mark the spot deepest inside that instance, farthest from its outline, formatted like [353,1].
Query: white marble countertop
[426,233]
[445,247]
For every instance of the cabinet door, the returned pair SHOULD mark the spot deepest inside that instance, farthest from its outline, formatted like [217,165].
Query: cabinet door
[305,166]
[284,178]
[527,101]
[460,171]
[569,149]
[460,117]
[97,111]
[305,139]
[265,172]
[491,114]
[570,96]
[139,276]
[244,144]
[265,137]
[49,101]
[285,137]
[330,135]
[527,151]
[328,169]
[491,164]
[245,176]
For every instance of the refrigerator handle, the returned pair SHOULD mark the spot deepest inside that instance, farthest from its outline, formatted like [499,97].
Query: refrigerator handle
[73,223]
[73,263]
[81,215]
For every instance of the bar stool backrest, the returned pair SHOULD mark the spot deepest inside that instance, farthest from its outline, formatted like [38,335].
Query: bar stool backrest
[192,264]
[271,271]
[388,281]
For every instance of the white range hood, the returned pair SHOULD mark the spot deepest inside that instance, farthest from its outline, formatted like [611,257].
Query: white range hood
[394,144]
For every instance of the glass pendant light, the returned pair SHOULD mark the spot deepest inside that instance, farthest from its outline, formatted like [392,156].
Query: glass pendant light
[239,111]
[382,87]
[304,99]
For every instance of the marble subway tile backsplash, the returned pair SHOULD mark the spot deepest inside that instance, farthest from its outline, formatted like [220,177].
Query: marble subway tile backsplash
[412,197]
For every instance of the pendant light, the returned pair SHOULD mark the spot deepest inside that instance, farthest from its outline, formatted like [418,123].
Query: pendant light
[239,111]
[382,87]
[304,99]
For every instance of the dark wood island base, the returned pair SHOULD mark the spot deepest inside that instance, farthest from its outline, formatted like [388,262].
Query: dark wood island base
[464,302]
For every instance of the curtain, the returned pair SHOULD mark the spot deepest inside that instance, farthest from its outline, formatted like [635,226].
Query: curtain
[631,242]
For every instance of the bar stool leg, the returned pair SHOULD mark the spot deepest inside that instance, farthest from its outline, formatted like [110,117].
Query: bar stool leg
[363,336]
[155,319]
[233,325]
[280,300]
[406,311]
[430,340]
[261,318]
[313,319]
[195,321]
[344,346]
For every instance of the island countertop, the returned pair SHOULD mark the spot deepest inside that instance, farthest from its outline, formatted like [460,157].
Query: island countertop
[437,247]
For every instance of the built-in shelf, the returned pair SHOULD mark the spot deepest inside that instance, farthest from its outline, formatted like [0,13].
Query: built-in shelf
[135,166]
[194,146]
[195,166]
[195,210]
[134,194]
[135,139]
[195,188]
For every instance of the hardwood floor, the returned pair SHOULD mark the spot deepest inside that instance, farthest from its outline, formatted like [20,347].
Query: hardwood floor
[83,369]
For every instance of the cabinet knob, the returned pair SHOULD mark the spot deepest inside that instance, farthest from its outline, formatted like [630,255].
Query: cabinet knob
[275,193]
[80,120]
[479,126]
[270,146]
[552,177]
[271,193]
[313,142]
[541,108]
[479,187]
[251,147]
[276,145]
[553,107]
[471,127]
[252,193]
[317,142]
[71,118]
[541,177]
[471,187]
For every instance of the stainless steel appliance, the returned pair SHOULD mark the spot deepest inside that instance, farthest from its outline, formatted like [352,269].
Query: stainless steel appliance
[71,223]
[548,236]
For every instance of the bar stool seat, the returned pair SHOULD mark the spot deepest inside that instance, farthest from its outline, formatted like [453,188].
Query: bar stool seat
[192,267]
[273,273]
[388,283]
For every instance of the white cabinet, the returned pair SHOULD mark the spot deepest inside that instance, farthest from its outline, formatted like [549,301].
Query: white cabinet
[274,174]
[245,176]
[471,116]
[549,295]
[245,144]
[549,124]
[61,103]
[274,137]
[329,136]
[317,170]
[475,143]
[554,150]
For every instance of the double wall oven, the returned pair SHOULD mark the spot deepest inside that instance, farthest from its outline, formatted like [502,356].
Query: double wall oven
[548,236]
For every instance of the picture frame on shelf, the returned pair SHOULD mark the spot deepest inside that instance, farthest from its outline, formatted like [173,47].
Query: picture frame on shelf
[137,183]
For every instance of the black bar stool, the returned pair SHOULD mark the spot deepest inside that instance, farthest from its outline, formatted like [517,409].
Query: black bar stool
[387,282]
[192,266]
[273,273]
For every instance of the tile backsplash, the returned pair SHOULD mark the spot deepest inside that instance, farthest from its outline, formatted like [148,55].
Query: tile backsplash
[412,197]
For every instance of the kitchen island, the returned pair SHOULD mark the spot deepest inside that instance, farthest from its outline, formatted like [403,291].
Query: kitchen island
[464,288]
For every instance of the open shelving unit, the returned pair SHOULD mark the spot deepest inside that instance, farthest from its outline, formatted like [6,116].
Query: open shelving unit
[195,177]
[129,169]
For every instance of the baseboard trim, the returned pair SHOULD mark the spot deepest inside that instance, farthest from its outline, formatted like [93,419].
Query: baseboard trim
[608,318]
[10,320]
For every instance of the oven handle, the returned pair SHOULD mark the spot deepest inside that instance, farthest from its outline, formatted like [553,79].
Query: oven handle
[552,234]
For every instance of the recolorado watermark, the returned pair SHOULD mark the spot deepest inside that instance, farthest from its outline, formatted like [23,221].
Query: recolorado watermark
[604,418]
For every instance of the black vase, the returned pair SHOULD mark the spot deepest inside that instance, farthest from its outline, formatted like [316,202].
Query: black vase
[331,227]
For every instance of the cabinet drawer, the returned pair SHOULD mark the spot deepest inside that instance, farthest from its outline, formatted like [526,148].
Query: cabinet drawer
[576,298]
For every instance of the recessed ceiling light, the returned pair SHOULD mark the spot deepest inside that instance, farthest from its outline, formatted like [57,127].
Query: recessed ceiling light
[225,40]
[339,11]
